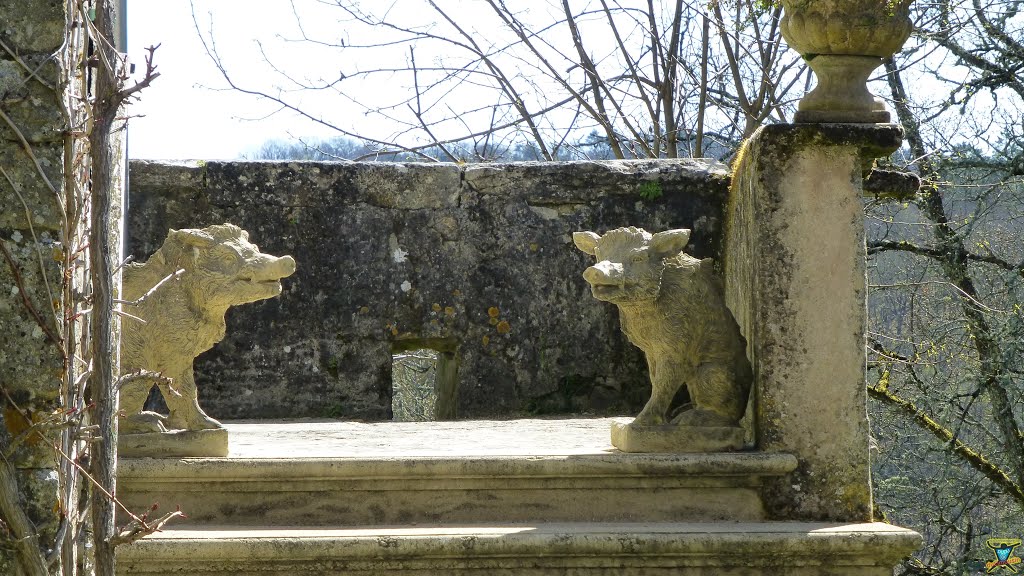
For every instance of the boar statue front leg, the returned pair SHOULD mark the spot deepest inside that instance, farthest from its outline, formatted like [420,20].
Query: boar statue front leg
[709,424]
[183,406]
[664,386]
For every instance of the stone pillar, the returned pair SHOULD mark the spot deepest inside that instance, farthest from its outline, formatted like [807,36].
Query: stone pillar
[795,280]
[30,276]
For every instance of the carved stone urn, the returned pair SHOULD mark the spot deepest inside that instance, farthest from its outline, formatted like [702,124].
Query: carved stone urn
[843,41]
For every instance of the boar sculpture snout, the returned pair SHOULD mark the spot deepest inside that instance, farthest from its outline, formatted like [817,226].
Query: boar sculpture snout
[604,274]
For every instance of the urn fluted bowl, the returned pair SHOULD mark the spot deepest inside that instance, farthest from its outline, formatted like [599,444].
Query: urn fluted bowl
[846,27]
[843,41]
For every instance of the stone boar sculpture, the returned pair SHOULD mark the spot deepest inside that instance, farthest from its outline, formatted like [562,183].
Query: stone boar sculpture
[184,316]
[672,306]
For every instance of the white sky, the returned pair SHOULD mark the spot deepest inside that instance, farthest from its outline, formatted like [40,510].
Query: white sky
[181,117]
[187,114]
[178,116]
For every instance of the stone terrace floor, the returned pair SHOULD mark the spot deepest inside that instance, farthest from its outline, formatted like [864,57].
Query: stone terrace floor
[317,438]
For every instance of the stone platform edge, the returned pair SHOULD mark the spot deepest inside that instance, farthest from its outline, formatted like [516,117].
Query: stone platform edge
[197,470]
[869,548]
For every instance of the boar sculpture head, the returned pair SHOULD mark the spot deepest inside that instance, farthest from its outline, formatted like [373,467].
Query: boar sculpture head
[630,262]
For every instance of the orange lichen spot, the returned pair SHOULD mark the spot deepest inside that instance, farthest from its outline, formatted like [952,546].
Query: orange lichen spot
[435,307]
[534,247]
[493,321]
[434,322]
[486,340]
[493,312]
[449,311]
[364,309]
[456,292]
[394,331]
[16,423]
[504,327]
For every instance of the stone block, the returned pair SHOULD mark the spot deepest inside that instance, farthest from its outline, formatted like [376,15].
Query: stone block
[31,100]
[672,438]
[33,25]
[31,365]
[42,204]
[348,473]
[173,444]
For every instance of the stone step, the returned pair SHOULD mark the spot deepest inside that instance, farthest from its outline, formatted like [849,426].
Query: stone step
[461,472]
[580,549]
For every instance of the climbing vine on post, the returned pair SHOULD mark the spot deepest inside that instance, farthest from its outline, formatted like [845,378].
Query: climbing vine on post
[63,90]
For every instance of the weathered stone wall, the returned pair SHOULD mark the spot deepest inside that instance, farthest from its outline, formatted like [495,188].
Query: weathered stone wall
[476,260]
[30,362]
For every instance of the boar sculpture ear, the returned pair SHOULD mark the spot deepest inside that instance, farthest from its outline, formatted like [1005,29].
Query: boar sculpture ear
[586,241]
[192,237]
[670,242]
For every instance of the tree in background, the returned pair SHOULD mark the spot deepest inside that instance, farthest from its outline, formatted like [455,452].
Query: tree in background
[650,79]
[947,327]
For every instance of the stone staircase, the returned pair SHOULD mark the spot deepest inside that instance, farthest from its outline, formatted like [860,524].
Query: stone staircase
[478,497]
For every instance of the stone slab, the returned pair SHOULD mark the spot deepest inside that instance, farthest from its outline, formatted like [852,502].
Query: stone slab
[332,438]
[174,444]
[653,549]
[671,438]
[345,473]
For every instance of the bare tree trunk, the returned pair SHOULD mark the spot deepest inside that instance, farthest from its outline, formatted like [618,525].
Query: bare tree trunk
[104,325]
[74,287]
[705,40]
[595,83]
[24,534]
[669,91]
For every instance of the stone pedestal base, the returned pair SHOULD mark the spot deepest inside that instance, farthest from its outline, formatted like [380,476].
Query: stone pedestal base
[841,117]
[174,444]
[842,95]
[672,438]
